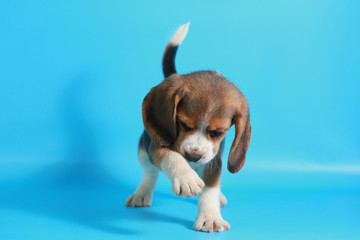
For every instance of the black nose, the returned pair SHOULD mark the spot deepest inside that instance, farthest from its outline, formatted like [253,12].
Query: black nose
[192,158]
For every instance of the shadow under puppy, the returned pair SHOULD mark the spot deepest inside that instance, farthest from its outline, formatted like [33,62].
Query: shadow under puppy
[186,118]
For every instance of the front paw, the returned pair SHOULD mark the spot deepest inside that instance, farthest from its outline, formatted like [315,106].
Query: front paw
[210,223]
[139,200]
[187,184]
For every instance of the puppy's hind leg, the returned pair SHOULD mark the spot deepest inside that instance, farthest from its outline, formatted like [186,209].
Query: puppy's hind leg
[143,195]
[223,200]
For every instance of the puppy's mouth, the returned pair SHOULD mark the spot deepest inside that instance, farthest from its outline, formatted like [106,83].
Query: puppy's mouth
[192,161]
[193,158]
[198,160]
[195,164]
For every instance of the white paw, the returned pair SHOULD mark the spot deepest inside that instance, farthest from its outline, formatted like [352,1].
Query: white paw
[187,183]
[211,224]
[139,200]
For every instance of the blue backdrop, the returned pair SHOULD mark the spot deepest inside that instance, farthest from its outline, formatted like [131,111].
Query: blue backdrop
[73,75]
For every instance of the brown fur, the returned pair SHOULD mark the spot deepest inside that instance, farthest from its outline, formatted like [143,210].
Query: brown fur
[212,173]
[157,153]
[203,96]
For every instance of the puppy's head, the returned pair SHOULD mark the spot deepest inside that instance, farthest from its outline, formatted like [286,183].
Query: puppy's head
[192,113]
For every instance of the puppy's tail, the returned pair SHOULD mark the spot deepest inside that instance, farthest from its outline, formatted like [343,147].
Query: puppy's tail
[168,61]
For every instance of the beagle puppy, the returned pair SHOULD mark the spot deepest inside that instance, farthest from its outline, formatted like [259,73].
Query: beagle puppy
[186,118]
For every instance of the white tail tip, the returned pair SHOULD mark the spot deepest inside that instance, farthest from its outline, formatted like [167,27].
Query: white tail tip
[179,35]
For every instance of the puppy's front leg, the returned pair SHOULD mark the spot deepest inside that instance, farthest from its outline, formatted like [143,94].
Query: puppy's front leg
[185,181]
[210,200]
[209,218]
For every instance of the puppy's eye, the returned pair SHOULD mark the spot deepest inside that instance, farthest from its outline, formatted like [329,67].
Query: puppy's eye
[215,134]
[186,127]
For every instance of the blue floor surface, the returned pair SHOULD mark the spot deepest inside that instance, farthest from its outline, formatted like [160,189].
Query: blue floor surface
[30,209]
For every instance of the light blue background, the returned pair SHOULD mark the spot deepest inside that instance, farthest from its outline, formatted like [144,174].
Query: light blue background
[72,78]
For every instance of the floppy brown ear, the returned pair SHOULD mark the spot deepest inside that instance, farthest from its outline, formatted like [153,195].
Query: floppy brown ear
[159,111]
[240,144]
